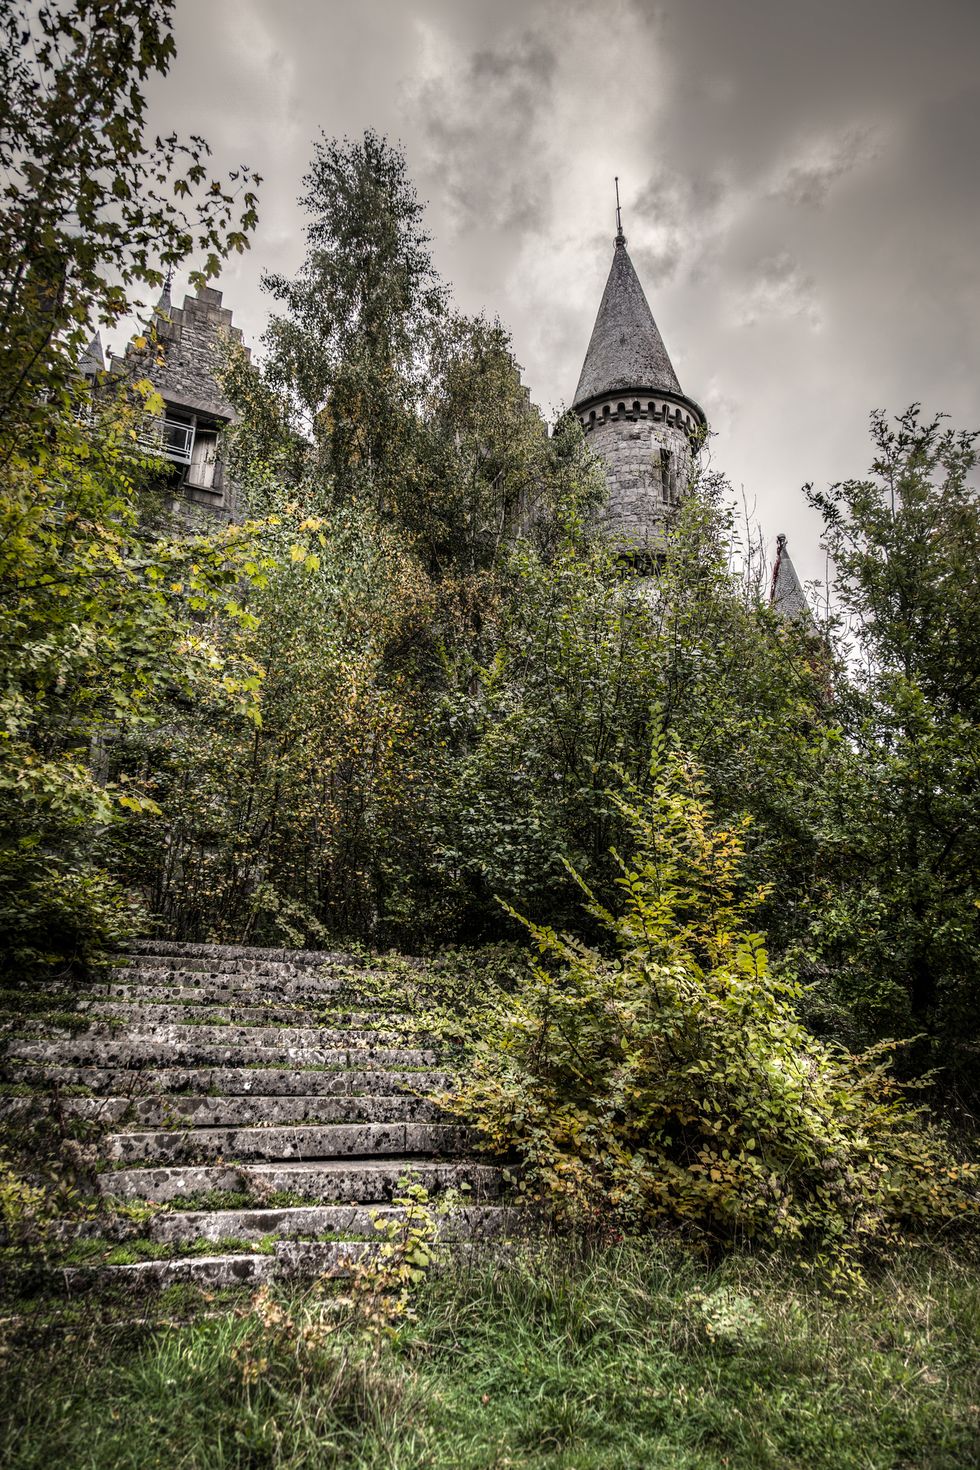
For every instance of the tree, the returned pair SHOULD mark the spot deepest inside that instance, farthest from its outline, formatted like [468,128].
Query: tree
[898,924]
[102,618]
[91,205]
[350,345]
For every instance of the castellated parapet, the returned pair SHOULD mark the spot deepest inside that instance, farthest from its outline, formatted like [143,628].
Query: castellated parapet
[643,427]
[647,448]
[184,363]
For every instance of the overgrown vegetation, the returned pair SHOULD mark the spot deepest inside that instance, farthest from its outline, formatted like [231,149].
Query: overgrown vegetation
[635,1355]
[672,1079]
[99,612]
[414,701]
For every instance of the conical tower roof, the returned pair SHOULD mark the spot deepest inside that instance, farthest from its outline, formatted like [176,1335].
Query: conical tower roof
[626,351]
[93,358]
[786,594]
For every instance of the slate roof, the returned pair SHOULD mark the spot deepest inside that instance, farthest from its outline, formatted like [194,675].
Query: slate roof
[626,350]
[786,594]
[92,361]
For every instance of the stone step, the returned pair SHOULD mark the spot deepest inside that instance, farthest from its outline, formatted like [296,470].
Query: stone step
[164,968]
[361,1181]
[290,1259]
[210,994]
[310,1141]
[202,1271]
[180,1034]
[138,1015]
[231,1112]
[253,1082]
[199,973]
[166,948]
[143,1054]
[464,1222]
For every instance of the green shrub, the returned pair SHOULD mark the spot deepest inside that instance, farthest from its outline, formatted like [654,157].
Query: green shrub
[673,1080]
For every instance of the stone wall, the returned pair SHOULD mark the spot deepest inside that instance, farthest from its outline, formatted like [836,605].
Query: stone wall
[192,339]
[184,363]
[646,451]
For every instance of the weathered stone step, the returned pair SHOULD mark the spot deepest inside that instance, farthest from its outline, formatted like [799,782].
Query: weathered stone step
[240,1081]
[202,1271]
[309,1141]
[139,1015]
[199,973]
[331,1258]
[232,1112]
[253,953]
[154,970]
[360,1181]
[464,1222]
[180,1034]
[141,1054]
[211,994]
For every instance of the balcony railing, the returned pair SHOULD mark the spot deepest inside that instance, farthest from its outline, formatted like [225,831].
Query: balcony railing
[169,438]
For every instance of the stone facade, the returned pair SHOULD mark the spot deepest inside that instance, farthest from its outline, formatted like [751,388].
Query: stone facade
[184,363]
[645,446]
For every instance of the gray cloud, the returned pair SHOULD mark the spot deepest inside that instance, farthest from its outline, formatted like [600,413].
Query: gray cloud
[479,120]
[798,183]
[808,179]
[779,288]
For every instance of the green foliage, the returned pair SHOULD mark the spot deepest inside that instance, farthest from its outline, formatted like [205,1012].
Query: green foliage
[348,350]
[92,204]
[102,618]
[674,1080]
[896,921]
[99,621]
[633,1355]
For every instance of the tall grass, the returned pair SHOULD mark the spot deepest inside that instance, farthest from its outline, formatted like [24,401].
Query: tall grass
[621,1359]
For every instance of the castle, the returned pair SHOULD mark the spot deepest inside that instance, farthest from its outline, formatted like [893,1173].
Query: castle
[643,427]
[183,356]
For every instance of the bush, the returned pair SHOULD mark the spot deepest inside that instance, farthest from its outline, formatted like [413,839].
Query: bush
[674,1080]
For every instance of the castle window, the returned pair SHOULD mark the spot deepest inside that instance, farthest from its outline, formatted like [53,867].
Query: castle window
[620,408]
[204,455]
[665,473]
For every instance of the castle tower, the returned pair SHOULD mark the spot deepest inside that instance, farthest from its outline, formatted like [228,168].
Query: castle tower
[786,594]
[184,364]
[638,421]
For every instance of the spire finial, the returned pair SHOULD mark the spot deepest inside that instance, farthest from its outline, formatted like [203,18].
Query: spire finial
[164,304]
[620,237]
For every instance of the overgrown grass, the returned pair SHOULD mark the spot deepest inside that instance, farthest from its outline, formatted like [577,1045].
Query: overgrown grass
[629,1358]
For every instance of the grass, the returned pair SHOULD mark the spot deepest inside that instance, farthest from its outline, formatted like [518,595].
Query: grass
[632,1358]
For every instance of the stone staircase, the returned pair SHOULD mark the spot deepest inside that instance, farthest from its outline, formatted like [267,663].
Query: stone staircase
[254,1113]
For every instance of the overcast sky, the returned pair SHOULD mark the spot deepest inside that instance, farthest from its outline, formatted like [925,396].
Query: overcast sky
[800,183]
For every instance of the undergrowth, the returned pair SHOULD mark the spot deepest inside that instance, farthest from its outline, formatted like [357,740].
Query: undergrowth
[635,1355]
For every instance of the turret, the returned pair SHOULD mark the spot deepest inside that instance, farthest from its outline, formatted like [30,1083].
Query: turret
[786,594]
[638,420]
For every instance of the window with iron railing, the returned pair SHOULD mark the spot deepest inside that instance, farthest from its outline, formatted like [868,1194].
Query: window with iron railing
[169,437]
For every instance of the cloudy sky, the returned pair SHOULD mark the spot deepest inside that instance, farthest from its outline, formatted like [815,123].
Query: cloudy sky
[800,182]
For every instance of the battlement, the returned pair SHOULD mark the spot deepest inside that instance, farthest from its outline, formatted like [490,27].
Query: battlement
[680,413]
[184,362]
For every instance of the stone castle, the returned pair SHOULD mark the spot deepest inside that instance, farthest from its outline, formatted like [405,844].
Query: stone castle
[645,430]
